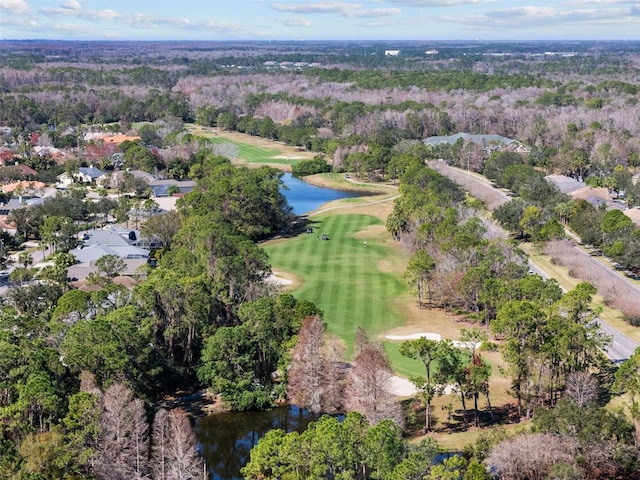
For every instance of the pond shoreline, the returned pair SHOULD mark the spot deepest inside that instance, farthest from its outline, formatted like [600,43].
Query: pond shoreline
[366,189]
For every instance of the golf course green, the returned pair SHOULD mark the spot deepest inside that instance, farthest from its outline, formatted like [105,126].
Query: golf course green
[342,275]
[253,154]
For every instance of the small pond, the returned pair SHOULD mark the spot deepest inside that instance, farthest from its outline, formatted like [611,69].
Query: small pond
[227,438]
[304,197]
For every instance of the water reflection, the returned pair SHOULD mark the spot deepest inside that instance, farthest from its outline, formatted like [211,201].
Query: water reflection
[304,197]
[227,438]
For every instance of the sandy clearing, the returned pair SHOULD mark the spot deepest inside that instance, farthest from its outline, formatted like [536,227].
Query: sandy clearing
[429,336]
[404,388]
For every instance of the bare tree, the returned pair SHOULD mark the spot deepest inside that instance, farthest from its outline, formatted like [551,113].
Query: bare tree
[333,376]
[582,388]
[315,372]
[175,447]
[123,444]
[369,385]
[161,441]
[531,456]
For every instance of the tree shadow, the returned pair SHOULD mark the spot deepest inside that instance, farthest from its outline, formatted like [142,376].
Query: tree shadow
[487,417]
[301,225]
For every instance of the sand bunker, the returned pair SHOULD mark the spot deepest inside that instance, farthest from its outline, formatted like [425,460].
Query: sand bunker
[404,388]
[432,336]
[273,278]
[401,387]
[429,336]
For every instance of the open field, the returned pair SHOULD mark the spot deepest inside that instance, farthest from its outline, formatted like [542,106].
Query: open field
[254,150]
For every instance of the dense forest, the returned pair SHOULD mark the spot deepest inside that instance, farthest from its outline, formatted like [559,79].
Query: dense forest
[83,373]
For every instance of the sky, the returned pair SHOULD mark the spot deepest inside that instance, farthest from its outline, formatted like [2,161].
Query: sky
[320,20]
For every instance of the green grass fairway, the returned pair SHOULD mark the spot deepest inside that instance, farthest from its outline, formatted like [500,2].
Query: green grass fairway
[342,276]
[253,154]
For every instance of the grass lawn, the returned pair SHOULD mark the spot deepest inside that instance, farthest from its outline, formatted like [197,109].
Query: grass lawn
[253,154]
[254,150]
[353,284]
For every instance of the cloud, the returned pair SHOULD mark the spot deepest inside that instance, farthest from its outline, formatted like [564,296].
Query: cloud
[600,2]
[537,18]
[71,28]
[72,5]
[437,3]
[528,11]
[17,7]
[294,22]
[352,10]
[72,8]
[20,24]
[551,15]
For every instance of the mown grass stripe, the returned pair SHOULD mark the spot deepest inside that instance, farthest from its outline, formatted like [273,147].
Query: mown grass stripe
[342,277]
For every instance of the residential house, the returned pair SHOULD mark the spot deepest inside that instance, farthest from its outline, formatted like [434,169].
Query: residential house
[161,188]
[24,187]
[565,184]
[88,174]
[55,154]
[120,242]
[488,140]
[25,171]
[634,215]
[595,196]
[118,177]
[7,156]
[13,204]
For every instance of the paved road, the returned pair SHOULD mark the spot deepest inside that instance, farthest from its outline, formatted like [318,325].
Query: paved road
[38,257]
[622,346]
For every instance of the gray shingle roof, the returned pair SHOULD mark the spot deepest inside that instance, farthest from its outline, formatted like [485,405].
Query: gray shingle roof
[91,172]
[564,183]
[161,189]
[92,253]
[112,236]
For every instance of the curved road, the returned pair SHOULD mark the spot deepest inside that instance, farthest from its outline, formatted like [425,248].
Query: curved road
[622,346]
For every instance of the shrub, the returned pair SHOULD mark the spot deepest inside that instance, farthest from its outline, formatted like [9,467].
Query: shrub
[310,167]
